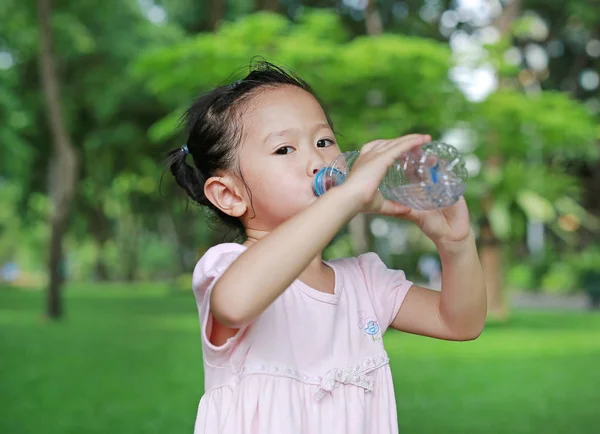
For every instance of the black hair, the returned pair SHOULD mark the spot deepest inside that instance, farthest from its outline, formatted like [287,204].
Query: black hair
[214,130]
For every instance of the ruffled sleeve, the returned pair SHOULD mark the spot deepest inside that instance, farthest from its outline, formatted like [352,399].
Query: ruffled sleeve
[387,288]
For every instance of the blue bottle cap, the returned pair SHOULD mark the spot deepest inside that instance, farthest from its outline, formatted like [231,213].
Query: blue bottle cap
[327,178]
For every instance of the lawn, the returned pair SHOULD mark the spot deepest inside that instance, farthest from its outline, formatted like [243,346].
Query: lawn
[127,360]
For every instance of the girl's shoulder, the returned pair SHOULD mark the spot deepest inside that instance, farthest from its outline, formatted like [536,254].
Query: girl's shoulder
[371,269]
[222,249]
[364,262]
[216,259]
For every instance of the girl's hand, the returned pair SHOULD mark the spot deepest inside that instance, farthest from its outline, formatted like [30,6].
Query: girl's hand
[371,166]
[446,227]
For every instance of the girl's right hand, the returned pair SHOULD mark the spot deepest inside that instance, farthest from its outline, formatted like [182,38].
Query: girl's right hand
[371,166]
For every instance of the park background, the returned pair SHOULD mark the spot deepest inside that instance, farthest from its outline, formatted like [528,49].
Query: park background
[98,325]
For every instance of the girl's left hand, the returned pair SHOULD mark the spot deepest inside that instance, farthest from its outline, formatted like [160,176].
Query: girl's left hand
[445,227]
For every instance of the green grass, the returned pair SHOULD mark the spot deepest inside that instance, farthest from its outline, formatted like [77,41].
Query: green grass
[127,360]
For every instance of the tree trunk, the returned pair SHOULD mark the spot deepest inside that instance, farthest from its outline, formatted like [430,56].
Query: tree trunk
[359,225]
[100,229]
[373,21]
[360,234]
[491,254]
[509,14]
[63,167]
[57,268]
[491,262]
[267,5]
[101,233]
[490,247]
[217,12]
[173,234]
[131,233]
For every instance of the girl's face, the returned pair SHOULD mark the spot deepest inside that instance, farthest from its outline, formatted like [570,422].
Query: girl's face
[286,141]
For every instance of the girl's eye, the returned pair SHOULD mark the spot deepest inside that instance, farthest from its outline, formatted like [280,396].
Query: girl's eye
[284,150]
[323,143]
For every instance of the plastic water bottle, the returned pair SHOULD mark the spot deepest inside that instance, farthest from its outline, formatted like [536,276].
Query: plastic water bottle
[432,176]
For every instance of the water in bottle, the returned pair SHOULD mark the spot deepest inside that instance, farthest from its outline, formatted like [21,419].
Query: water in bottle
[432,176]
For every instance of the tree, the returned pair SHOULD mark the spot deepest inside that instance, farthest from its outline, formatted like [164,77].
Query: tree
[107,114]
[63,168]
[359,226]
[529,134]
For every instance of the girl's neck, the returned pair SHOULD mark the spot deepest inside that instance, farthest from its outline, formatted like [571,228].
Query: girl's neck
[315,266]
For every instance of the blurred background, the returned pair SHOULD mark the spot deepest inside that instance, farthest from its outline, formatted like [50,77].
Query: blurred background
[98,325]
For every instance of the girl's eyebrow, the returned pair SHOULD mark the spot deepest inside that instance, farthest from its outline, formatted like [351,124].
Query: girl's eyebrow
[282,133]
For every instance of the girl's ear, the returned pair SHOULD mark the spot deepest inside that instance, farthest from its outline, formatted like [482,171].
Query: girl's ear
[223,192]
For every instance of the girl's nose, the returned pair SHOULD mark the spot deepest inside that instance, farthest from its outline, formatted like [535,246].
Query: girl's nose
[316,163]
[315,167]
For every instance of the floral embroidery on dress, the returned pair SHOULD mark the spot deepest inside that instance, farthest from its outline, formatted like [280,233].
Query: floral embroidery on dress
[369,325]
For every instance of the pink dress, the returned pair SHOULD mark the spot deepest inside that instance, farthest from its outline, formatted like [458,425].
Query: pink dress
[311,363]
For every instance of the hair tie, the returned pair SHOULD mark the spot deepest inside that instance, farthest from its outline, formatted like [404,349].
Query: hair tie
[234,84]
[185,150]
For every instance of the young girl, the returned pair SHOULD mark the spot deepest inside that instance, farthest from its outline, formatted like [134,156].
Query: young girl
[293,344]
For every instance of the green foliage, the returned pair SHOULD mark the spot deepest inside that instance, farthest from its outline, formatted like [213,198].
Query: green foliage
[16,155]
[521,277]
[524,142]
[126,81]
[561,277]
[548,124]
[375,87]
[389,85]
[183,282]
[586,265]
[158,258]
[340,247]
[21,241]
[107,114]
[556,271]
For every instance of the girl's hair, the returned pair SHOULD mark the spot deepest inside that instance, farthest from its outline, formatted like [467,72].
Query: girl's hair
[214,129]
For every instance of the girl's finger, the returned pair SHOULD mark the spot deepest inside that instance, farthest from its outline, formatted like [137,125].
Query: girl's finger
[391,208]
[395,209]
[404,144]
[412,216]
[382,145]
[371,145]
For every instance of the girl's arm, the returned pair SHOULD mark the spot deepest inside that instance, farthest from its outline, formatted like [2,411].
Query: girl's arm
[457,312]
[267,268]
[254,280]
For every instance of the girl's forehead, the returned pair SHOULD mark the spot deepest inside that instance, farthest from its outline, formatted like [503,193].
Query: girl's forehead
[282,108]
